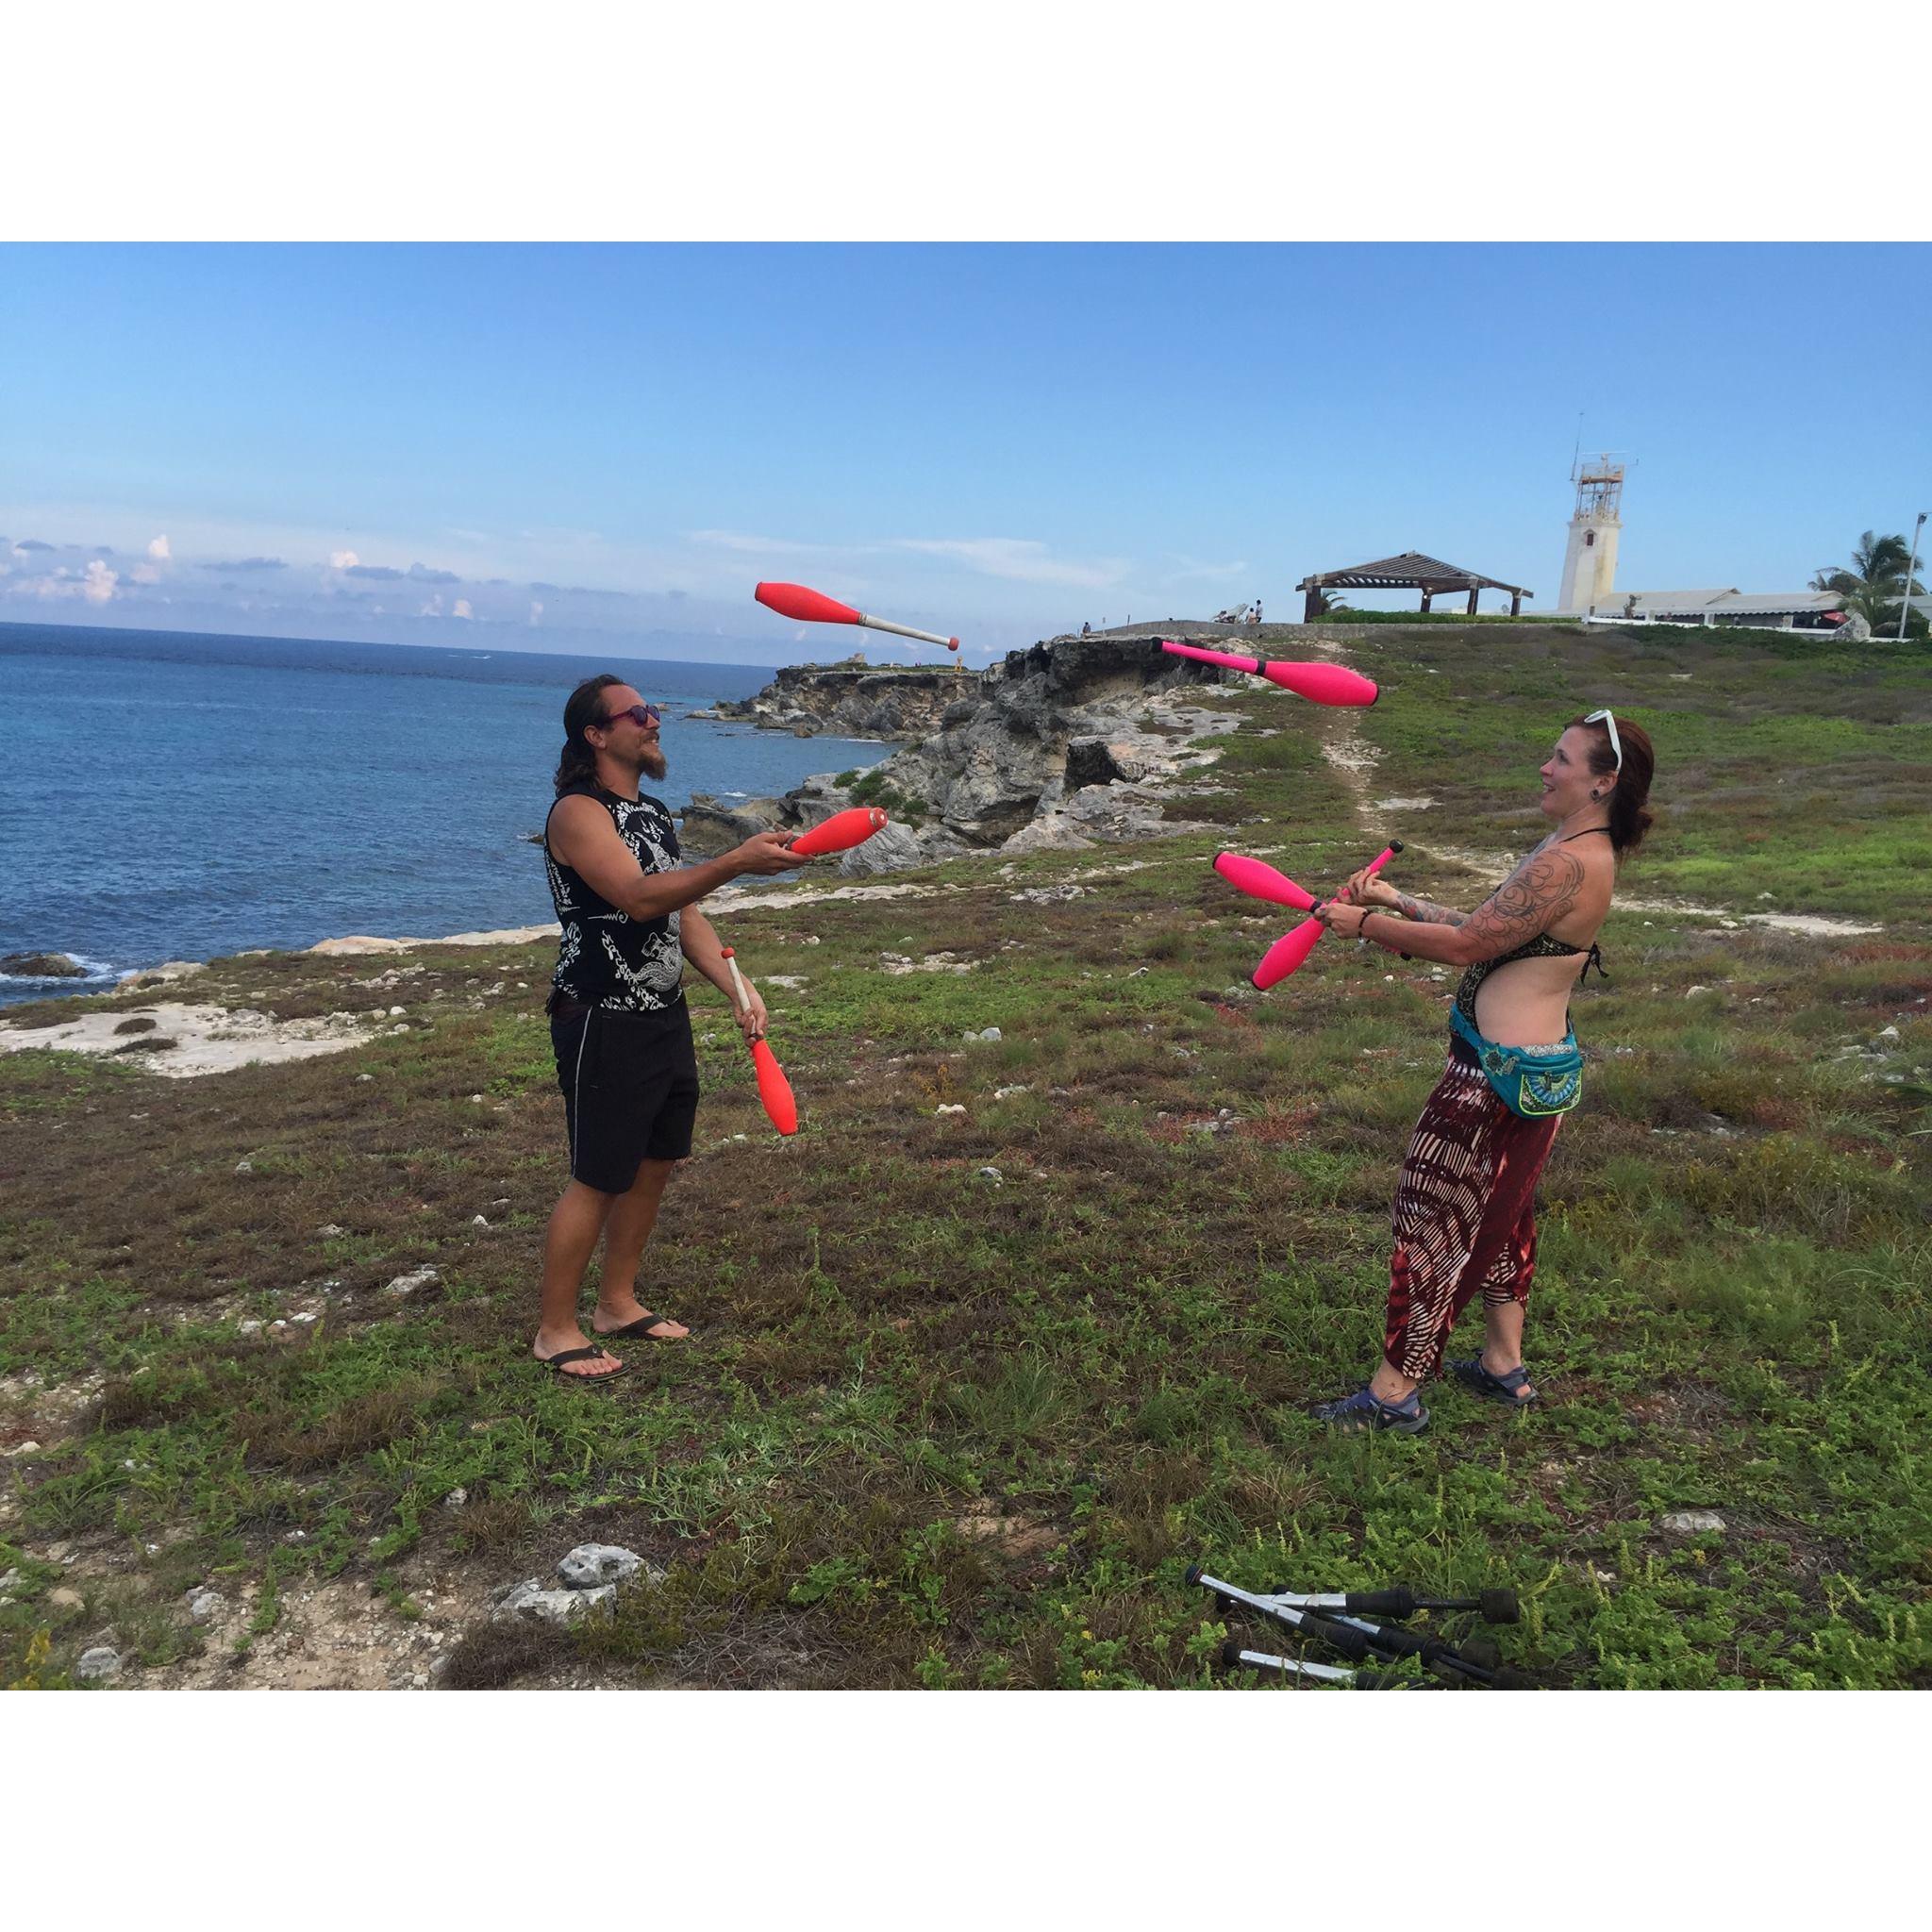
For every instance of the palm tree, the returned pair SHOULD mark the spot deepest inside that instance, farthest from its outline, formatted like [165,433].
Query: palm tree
[1876,583]
[1327,601]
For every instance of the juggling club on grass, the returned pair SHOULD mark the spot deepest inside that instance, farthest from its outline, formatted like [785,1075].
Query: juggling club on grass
[1233,1657]
[1287,952]
[774,1089]
[1492,1605]
[807,606]
[1355,1638]
[1321,684]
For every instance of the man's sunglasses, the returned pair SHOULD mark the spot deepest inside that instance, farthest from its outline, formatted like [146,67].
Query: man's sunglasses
[1616,743]
[642,714]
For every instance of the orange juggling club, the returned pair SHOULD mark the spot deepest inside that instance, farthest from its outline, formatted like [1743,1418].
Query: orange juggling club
[1321,684]
[1286,954]
[804,604]
[774,1089]
[839,832]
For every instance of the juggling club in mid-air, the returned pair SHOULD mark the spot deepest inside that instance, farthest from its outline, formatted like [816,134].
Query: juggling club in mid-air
[1286,954]
[1321,684]
[774,1089]
[807,606]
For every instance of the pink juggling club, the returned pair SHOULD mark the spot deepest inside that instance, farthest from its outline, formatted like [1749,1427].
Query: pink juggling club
[1321,684]
[1260,881]
[1286,954]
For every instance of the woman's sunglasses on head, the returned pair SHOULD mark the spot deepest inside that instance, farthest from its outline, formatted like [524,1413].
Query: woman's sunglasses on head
[1604,718]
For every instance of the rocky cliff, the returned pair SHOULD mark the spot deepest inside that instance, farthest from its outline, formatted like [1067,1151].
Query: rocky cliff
[1071,743]
[855,699]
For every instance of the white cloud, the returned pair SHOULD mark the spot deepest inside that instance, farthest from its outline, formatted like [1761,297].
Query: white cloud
[432,609]
[342,560]
[461,608]
[744,542]
[157,551]
[147,573]
[97,585]
[536,608]
[1017,559]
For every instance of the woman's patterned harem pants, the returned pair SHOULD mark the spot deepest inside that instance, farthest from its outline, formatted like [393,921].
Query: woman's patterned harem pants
[1464,1218]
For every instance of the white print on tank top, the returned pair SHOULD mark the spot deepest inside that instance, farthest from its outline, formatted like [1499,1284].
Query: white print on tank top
[649,980]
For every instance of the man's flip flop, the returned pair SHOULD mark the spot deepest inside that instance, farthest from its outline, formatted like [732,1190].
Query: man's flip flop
[639,1330]
[1471,1374]
[555,1364]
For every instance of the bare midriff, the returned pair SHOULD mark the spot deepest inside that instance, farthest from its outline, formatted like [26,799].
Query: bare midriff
[1526,1003]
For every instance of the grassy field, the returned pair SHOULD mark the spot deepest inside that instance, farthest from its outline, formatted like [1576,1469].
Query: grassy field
[939,1426]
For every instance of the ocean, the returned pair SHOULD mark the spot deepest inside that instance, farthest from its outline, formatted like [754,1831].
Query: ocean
[169,796]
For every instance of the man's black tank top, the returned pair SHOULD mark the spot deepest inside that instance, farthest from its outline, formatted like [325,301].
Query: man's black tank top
[606,957]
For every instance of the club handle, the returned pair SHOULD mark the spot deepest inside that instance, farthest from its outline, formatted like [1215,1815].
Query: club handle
[1498,1607]
[730,960]
[1380,1603]
[1353,1644]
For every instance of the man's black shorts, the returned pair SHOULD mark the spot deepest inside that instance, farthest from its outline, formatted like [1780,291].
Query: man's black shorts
[630,1091]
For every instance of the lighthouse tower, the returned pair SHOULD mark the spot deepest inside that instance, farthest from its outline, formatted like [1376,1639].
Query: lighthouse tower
[1589,562]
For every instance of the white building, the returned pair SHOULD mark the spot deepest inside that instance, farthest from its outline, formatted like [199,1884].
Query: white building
[1819,610]
[1590,559]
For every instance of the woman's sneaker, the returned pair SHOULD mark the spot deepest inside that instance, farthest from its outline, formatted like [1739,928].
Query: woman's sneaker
[1366,1410]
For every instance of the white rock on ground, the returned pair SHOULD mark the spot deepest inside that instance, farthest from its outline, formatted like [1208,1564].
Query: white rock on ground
[205,1606]
[98,1665]
[589,1564]
[530,1602]
[207,1039]
[1691,1521]
[413,1282]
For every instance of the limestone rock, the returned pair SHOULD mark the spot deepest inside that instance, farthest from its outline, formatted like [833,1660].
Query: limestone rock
[530,1602]
[1050,832]
[591,1564]
[711,824]
[1691,1521]
[41,966]
[414,1282]
[1095,761]
[99,1665]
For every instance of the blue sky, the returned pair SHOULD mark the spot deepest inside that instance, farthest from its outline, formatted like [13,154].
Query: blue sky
[556,444]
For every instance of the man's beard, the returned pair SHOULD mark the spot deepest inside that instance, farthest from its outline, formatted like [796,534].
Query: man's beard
[652,762]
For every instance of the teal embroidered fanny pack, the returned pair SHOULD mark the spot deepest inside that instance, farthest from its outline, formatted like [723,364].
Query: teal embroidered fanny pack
[1531,1081]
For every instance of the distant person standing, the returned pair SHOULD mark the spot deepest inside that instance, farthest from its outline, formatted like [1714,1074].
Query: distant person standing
[618,1022]
[1258,613]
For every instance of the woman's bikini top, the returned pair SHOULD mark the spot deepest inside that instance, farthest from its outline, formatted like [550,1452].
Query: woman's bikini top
[1542,947]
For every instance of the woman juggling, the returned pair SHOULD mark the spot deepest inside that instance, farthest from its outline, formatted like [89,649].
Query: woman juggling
[1464,1216]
